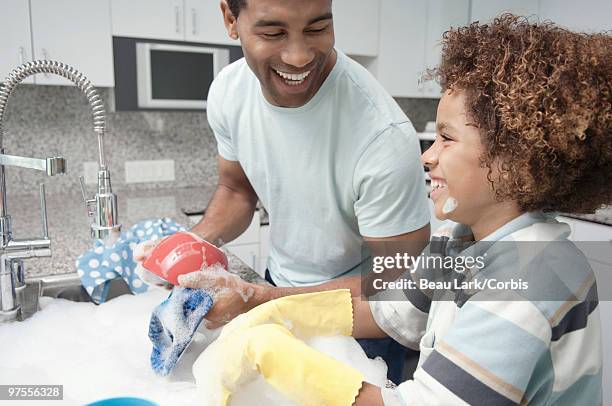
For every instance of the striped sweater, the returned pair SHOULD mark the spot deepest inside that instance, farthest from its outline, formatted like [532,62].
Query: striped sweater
[539,347]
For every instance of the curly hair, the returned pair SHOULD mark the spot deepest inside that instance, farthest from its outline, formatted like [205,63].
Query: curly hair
[540,95]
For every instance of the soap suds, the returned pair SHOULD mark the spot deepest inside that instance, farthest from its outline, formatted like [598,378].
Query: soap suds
[98,352]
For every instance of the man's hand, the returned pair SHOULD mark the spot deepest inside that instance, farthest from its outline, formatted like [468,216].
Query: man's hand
[231,295]
[143,250]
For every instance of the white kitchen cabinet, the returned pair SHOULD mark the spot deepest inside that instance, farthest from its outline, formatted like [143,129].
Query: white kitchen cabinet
[173,20]
[16,42]
[76,32]
[251,234]
[441,16]
[356,26]
[583,230]
[485,10]
[246,246]
[571,223]
[587,15]
[594,240]
[411,30]
[401,54]
[248,253]
[155,19]
[204,23]
[410,35]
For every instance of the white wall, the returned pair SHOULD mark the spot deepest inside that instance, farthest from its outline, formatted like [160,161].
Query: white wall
[586,15]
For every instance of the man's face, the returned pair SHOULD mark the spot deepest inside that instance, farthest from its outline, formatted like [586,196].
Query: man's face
[289,45]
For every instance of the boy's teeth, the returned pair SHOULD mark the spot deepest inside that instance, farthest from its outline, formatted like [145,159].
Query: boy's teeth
[435,184]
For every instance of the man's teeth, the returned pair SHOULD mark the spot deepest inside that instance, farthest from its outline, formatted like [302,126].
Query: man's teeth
[438,184]
[293,78]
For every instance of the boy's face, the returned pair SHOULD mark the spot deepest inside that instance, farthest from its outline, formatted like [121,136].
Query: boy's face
[289,45]
[454,164]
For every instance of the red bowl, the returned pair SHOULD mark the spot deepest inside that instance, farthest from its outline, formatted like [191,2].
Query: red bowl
[182,253]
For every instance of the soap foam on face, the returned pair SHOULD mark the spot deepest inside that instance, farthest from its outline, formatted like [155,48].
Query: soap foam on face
[449,205]
[98,352]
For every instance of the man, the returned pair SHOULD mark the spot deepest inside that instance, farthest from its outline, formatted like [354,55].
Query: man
[310,133]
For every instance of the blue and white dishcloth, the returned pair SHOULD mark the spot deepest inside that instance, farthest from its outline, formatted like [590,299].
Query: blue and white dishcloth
[173,324]
[101,264]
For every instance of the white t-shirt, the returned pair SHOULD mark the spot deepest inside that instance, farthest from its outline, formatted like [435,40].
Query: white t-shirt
[343,166]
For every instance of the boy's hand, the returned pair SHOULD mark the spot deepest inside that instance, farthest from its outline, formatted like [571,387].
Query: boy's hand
[304,375]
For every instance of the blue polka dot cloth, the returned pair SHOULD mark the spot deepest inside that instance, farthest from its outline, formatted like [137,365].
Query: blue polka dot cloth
[101,264]
[173,324]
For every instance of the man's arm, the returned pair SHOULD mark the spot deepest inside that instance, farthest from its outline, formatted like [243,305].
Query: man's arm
[231,208]
[235,300]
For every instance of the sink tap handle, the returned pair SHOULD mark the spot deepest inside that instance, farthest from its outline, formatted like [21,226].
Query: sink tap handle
[83,191]
[88,202]
[43,211]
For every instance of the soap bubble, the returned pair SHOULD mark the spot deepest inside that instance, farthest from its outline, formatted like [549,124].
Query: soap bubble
[99,352]
[96,352]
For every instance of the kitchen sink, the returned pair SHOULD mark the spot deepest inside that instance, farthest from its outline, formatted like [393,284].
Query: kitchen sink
[95,352]
[68,286]
[63,286]
[100,352]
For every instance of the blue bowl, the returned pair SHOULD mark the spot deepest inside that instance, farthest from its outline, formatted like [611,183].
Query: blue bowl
[123,402]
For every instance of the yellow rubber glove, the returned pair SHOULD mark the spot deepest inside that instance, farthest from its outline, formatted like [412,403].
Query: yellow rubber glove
[301,373]
[306,315]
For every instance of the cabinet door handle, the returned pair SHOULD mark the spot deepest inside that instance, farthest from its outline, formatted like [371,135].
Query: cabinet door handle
[46,57]
[176,19]
[194,21]
[22,57]
[421,82]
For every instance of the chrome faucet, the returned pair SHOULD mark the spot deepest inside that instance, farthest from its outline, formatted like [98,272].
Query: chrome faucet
[103,206]
[12,253]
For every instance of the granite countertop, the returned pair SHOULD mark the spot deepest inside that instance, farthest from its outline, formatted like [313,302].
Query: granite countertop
[601,216]
[69,225]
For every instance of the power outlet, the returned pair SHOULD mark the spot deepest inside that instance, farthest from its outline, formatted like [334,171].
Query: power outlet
[149,171]
[90,172]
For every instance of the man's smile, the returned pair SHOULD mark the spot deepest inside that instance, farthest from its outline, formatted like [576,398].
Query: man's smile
[293,78]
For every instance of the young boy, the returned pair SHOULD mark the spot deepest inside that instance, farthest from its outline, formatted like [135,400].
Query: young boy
[523,130]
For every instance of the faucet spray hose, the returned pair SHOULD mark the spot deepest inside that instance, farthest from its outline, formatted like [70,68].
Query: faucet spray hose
[58,68]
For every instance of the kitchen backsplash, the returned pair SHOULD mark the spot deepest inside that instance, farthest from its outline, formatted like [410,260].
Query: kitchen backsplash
[419,111]
[44,121]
